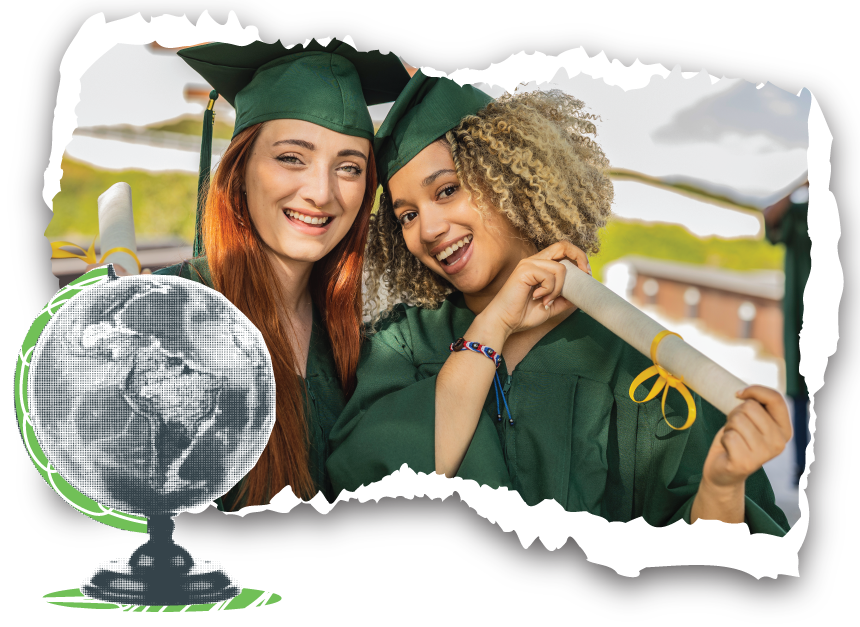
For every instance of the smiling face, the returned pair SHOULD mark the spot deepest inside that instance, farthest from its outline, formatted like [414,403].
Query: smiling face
[304,185]
[443,229]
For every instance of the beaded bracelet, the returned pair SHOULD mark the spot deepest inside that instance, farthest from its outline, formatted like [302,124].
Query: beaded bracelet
[462,345]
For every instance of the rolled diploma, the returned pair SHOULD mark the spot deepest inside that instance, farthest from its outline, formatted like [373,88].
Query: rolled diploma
[712,382]
[116,226]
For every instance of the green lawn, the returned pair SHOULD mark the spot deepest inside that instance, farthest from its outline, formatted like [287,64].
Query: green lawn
[164,209]
[164,203]
[675,243]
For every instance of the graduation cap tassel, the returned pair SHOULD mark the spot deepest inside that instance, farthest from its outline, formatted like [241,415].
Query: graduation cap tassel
[205,166]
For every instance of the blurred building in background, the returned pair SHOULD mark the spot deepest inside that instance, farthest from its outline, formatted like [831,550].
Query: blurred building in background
[733,305]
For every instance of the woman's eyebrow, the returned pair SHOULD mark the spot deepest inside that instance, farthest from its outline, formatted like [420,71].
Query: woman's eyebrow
[352,153]
[296,142]
[309,146]
[429,180]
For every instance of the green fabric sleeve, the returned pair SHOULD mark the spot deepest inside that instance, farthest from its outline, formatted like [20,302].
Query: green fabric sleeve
[675,471]
[761,512]
[760,521]
[388,421]
[755,517]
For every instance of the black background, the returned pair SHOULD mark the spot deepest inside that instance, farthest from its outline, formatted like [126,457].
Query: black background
[439,555]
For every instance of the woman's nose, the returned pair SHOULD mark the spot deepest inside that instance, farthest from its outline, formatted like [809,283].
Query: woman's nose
[433,224]
[318,186]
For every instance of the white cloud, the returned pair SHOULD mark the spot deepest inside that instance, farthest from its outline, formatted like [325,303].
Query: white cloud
[743,109]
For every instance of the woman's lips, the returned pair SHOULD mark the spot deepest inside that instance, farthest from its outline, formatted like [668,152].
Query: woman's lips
[309,229]
[457,260]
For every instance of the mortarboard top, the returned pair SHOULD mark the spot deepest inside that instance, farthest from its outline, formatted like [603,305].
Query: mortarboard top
[328,85]
[427,108]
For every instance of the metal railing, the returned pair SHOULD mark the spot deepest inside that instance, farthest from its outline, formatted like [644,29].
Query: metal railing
[159,139]
[154,256]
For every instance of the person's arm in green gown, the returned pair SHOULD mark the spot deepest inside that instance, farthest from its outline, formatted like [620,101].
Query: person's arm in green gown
[755,432]
[389,419]
[529,300]
[671,495]
[461,389]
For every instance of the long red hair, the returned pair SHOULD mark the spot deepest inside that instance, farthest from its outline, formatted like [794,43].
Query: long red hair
[242,271]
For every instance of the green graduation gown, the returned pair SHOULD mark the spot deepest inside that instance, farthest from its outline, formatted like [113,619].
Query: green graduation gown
[325,399]
[793,231]
[577,437]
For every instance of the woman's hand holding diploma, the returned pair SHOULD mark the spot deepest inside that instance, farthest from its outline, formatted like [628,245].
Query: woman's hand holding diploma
[755,432]
[532,294]
[530,298]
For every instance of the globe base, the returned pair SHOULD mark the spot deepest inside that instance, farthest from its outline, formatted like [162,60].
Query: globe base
[117,581]
[160,572]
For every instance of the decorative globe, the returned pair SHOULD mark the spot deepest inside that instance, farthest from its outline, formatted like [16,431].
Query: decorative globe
[151,394]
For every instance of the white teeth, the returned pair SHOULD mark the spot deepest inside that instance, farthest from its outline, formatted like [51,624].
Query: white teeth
[450,250]
[306,219]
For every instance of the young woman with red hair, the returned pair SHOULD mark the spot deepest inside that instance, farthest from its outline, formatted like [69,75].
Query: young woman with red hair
[284,228]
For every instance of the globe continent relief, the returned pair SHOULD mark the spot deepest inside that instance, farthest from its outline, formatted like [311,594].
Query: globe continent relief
[151,394]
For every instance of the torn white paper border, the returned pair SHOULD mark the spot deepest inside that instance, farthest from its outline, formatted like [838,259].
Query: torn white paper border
[625,547]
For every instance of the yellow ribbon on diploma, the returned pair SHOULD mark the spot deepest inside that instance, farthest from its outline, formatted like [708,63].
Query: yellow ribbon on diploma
[665,381]
[89,256]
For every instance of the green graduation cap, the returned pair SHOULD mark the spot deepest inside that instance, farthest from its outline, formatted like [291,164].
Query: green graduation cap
[329,85]
[427,108]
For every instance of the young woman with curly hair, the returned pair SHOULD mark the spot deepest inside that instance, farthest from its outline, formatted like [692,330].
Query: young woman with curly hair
[284,230]
[481,201]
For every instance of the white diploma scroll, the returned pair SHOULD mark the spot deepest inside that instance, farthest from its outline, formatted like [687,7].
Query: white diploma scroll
[711,381]
[116,226]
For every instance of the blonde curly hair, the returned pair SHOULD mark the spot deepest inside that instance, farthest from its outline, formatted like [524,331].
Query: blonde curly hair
[528,156]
